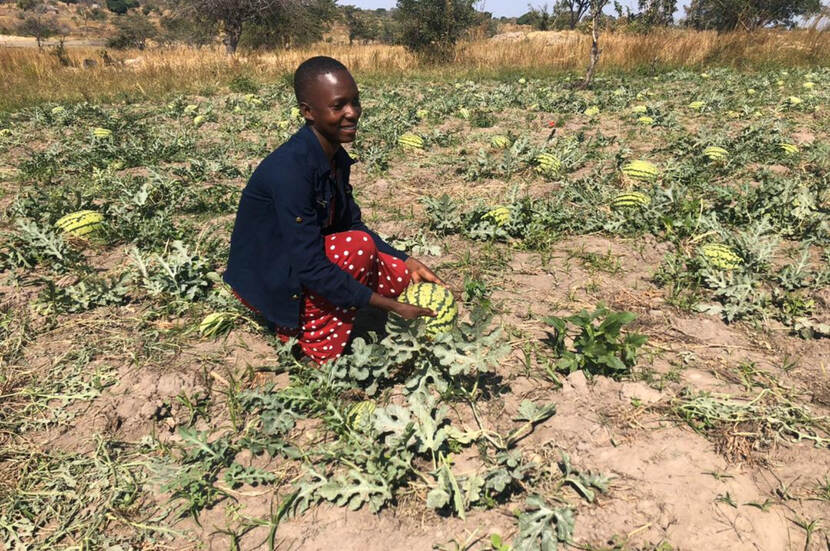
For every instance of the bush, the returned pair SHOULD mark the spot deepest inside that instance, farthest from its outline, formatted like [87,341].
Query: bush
[121,6]
[133,32]
[430,28]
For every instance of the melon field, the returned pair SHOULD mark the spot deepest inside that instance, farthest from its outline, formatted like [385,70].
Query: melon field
[641,360]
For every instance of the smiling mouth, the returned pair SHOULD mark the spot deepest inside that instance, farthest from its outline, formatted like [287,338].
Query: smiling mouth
[350,127]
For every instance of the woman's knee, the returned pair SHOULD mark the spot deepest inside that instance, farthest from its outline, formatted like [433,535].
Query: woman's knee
[357,246]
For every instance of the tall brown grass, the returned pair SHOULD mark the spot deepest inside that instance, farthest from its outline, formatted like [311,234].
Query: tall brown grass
[30,76]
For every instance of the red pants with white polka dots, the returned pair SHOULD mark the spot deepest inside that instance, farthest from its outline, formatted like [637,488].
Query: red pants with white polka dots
[324,328]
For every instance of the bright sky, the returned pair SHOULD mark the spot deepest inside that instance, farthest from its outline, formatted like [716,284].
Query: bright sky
[507,8]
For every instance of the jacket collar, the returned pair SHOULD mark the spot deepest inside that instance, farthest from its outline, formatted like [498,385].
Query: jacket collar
[308,138]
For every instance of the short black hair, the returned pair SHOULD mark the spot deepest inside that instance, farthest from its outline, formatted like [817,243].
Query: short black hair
[308,71]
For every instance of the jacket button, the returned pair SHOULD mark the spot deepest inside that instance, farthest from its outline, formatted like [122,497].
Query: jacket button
[295,297]
[299,219]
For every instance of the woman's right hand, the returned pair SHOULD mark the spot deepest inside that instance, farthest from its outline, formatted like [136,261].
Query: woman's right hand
[410,311]
[406,311]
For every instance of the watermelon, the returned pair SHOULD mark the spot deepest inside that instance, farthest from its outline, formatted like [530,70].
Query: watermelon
[58,110]
[190,109]
[360,414]
[436,298]
[198,120]
[592,111]
[720,256]
[101,133]
[809,85]
[789,149]
[548,163]
[630,199]
[645,120]
[411,141]
[715,153]
[639,109]
[642,171]
[80,223]
[697,105]
[500,215]
[500,142]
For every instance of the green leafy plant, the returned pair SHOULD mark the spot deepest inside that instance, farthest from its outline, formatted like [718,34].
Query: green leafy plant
[598,348]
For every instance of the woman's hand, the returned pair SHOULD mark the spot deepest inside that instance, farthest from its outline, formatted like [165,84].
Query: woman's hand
[419,272]
[410,311]
[406,311]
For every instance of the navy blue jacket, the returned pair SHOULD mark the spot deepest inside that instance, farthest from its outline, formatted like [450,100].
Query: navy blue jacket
[277,249]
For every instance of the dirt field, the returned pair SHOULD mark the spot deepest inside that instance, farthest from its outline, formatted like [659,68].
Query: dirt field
[128,422]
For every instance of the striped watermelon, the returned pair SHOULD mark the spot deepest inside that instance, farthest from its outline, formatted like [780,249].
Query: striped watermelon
[436,298]
[697,105]
[411,141]
[642,171]
[639,109]
[80,223]
[547,163]
[645,120]
[630,199]
[789,149]
[720,256]
[101,133]
[715,153]
[592,111]
[360,414]
[500,142]
[500,215]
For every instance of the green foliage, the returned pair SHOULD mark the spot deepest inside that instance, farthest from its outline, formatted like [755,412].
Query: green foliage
[431,28]
[86,294]
[542,527]
[177,274]
[597,348]
[32,244]
[132,31]
[121,6]
[748,14]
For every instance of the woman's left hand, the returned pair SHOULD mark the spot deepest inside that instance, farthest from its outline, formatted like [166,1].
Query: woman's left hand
[420,272]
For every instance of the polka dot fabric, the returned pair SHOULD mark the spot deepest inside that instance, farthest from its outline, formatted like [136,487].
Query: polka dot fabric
[325,329]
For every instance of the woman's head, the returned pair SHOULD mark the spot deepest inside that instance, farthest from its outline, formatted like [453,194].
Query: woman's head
[328,98]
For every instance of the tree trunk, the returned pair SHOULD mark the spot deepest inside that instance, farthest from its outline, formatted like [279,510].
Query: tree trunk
[595,51]
[232,33]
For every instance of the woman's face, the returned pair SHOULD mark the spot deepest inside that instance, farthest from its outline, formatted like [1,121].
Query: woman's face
[333,107]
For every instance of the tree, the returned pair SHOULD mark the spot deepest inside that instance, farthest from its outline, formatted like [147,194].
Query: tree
[430,28]
[133,32]
[229,17]
[596,12]
[121,6]
[361,26]
[747,14]
[296,24]
[569,12]
[39,26]
[539,17]
[656,13]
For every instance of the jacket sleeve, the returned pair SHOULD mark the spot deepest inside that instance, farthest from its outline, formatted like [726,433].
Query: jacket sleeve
[298,224]
[356,223]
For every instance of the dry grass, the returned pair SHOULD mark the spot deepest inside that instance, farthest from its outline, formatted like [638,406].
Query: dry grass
[32,77]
